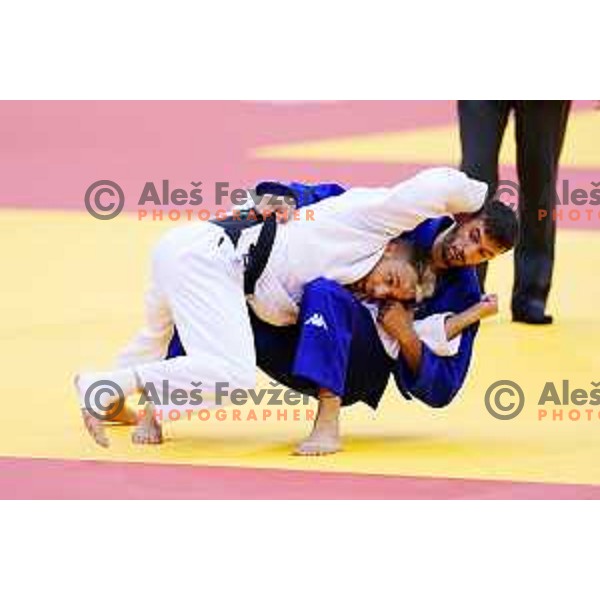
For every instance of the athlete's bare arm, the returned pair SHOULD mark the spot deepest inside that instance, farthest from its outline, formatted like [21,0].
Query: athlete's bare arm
[397,321]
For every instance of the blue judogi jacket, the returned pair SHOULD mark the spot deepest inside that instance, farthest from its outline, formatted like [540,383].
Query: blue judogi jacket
[335,344]
[441,377]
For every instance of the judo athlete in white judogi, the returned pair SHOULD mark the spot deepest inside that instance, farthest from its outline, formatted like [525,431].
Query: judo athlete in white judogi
[199,282]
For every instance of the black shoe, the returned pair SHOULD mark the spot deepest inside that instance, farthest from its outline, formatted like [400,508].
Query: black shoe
[532,318]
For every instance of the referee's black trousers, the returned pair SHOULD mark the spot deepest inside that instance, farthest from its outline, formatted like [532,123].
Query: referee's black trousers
[540,129]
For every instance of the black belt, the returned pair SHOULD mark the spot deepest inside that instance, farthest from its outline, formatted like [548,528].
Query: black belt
[259,252]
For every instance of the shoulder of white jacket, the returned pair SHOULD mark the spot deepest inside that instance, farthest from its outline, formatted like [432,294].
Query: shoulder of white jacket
[442,171]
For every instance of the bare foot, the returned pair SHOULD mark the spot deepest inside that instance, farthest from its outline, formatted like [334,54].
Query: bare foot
[149,430]
[325,436]
[321,441]
[95,427]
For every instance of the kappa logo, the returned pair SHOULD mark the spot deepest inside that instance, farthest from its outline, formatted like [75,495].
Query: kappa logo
[317,320]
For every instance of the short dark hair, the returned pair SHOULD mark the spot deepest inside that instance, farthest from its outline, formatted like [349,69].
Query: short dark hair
[499,223]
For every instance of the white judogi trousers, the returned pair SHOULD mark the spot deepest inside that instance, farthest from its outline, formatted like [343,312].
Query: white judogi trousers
[196,284]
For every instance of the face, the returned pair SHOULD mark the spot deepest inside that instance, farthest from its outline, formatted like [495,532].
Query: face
[467,245]
[395,278]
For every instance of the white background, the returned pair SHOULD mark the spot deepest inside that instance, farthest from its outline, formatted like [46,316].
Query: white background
[300,550]
[295,51]
[309,49]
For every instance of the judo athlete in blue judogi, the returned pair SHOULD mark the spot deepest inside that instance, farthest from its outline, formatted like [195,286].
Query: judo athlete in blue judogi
[343,348]
[339,345]
[341,352]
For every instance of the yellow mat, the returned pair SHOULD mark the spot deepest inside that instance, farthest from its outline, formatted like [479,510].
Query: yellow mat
[435,145]
[72,295]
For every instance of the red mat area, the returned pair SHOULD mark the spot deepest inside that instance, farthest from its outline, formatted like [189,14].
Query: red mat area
[50,152]
[24,478]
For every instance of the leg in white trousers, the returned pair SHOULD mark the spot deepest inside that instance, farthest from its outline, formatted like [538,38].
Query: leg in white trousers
[197,285]
[201,278]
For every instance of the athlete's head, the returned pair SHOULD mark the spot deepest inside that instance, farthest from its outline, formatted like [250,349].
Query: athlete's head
[476,238]
[403,273]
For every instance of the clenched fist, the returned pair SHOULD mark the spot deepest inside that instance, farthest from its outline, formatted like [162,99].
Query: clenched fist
[488,305]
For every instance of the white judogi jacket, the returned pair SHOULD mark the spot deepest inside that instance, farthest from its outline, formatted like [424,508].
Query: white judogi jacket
[347,235]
